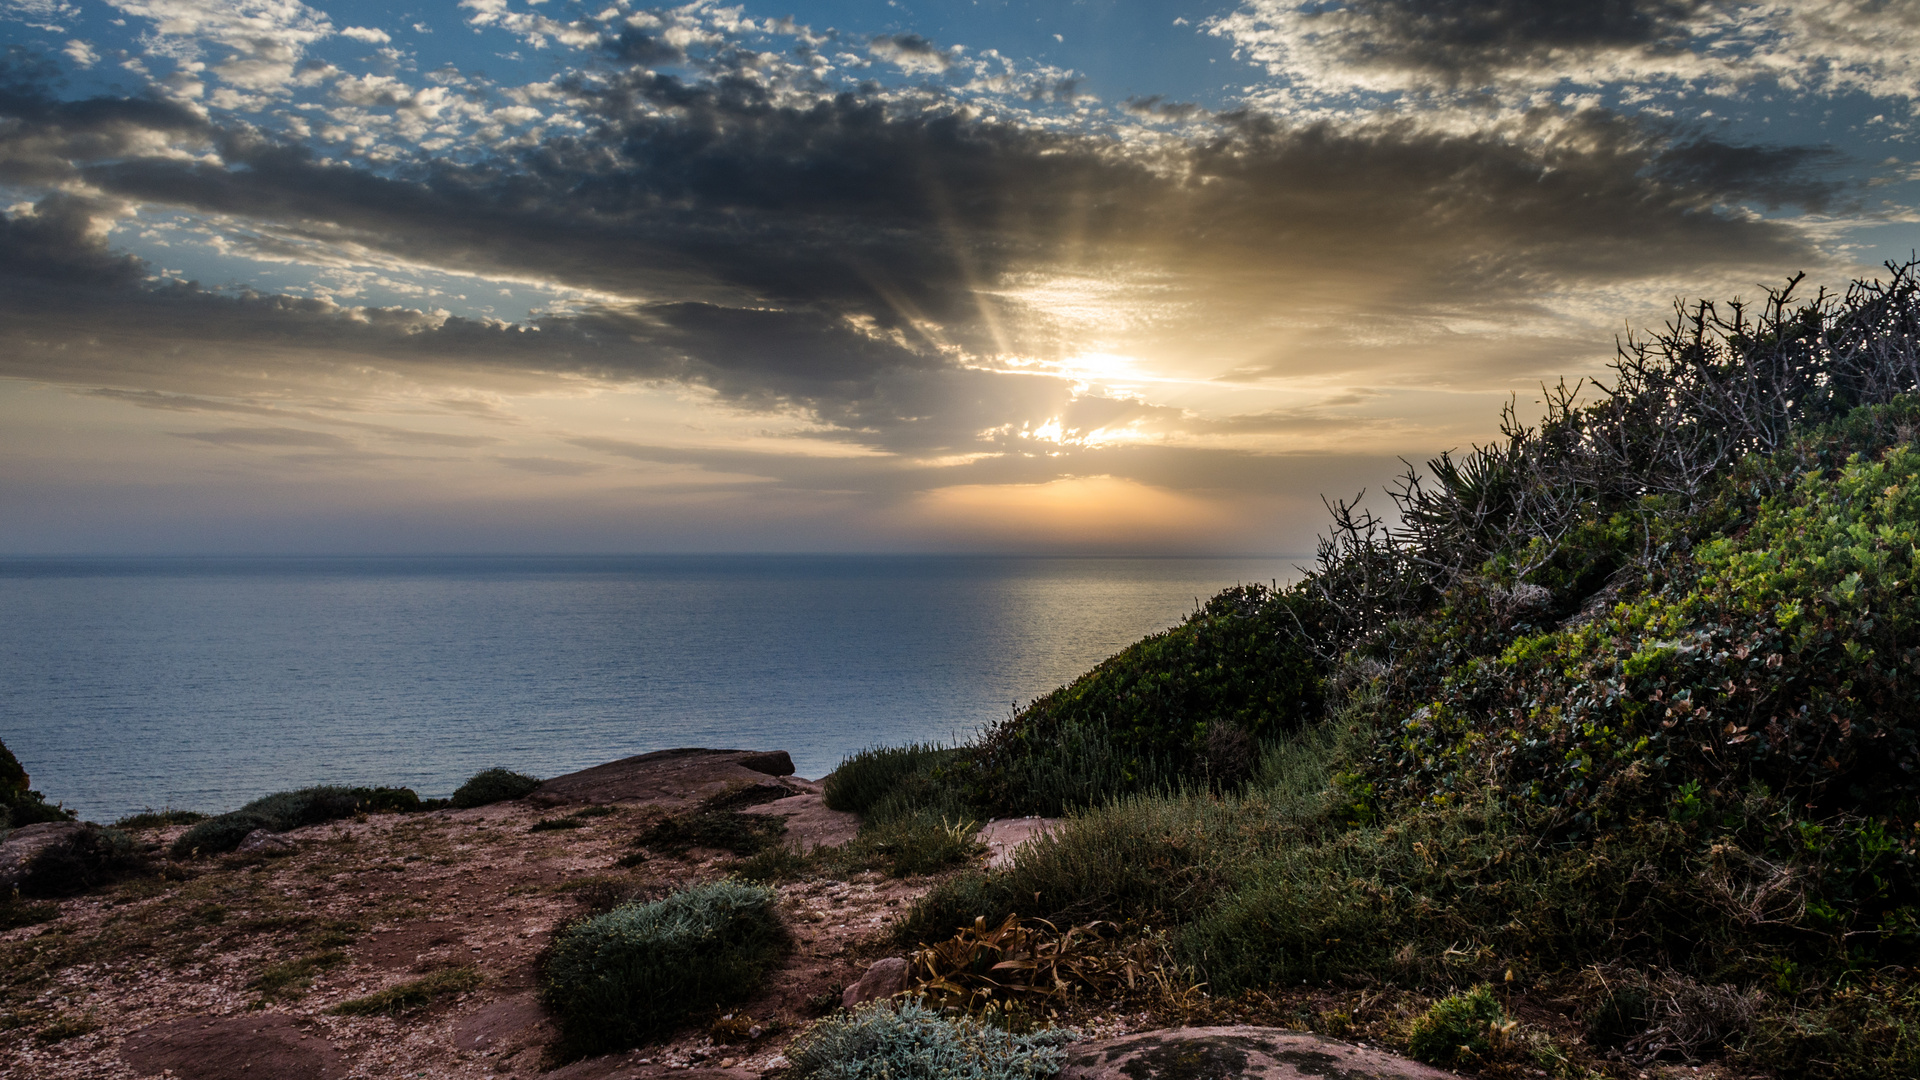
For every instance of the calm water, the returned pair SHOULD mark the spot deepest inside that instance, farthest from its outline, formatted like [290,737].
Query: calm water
[202,683]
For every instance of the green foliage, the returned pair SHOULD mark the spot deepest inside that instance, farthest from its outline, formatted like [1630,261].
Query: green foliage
[914,1043]
[286,810]
[1459,1029]
[866,778]
[20,805]
[903,846]
[13,776]
[1190,704]
[414,994]
[492,786]
[287,978]
[633,974]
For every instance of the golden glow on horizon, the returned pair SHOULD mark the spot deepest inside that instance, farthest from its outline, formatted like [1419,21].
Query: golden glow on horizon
[1086,509]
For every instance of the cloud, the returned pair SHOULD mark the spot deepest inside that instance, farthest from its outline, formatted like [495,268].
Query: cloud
[365,34]
[912,53]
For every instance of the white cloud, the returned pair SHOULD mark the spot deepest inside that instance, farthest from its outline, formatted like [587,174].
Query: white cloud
[81,53]
[370,36]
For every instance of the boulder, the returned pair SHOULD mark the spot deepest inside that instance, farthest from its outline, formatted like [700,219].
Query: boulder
[672,779]
[56,858]
[263,842]
[253,1046]
[883,979]
[1004,836]
[1236,1053]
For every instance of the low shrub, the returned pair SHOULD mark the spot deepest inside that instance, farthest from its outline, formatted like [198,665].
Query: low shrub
[632,975]
[1460,1029]
[914,1043]
[20,805]
[93,857]
[721,830]
[159,819]
[284,810]
[492,786]
[553,824]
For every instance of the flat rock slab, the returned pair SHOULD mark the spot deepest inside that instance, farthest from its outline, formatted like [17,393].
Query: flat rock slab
[251,1047]
[672,779]
[1007,834]
[1234,1053]
[810,822]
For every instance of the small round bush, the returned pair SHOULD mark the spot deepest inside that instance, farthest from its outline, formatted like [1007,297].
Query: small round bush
[221,833]
[1459,1028]
[94,856]
[916,1043]
[492,786]
[633,974]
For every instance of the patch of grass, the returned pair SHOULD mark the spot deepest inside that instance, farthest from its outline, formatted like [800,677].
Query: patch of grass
[16,912]
[288,978]
[491,786]
[914,1043]
[899,847]
[594,812]
[724,830]
[869,776]
[553,824]
[159,819]
[635,973]
[407,996]
[67,1027]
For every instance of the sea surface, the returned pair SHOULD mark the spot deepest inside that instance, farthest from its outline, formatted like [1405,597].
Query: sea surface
[203,683]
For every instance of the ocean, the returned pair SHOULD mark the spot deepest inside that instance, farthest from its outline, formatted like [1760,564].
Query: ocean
[199,684]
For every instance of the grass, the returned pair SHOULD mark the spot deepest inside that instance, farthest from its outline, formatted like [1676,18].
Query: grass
[914,1043]
[416,994]
[288,978]
[633,974]
[16,912]
[904,846]
[287,810]
[159,819]
[554,824]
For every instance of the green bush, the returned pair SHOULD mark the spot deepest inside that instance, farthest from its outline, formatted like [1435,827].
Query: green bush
[286,810]
[492,786]
[159,819]
[721,830]
[914,1043]
[20,805]
[1459,1028]
[94,857]
[635,973]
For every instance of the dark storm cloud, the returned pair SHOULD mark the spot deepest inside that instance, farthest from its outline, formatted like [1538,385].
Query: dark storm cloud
[833,256]
[1469,42]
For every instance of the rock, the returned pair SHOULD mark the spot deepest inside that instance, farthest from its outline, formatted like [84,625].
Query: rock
[1233,1053]
[256,1046]
[810,823]
[56,858]
[883,980]
[264,842]
[673,779]
[1007,834]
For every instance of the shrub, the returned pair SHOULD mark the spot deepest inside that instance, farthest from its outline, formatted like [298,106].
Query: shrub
[159,819]
[723,830]
[286,810]
[633,974]
[1459,1028]
[492,786]
[19,804]
[914,1043]
[93,856]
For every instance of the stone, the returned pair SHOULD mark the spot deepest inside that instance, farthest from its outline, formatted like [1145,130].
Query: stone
[883,980]
[1236,1053]
[810,822]
[1005,836]
[265,842]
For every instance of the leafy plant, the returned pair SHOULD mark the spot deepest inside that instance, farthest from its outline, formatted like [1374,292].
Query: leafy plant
[1461,1029]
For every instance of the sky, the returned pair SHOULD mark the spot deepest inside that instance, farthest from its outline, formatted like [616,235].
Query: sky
[871,275]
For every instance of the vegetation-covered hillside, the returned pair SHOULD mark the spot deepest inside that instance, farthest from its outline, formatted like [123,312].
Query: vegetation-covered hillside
[1620,711]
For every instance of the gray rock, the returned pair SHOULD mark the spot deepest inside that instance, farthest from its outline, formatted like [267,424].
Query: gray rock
[1234,1053]
[264,842]
[883,980]
[671,779]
